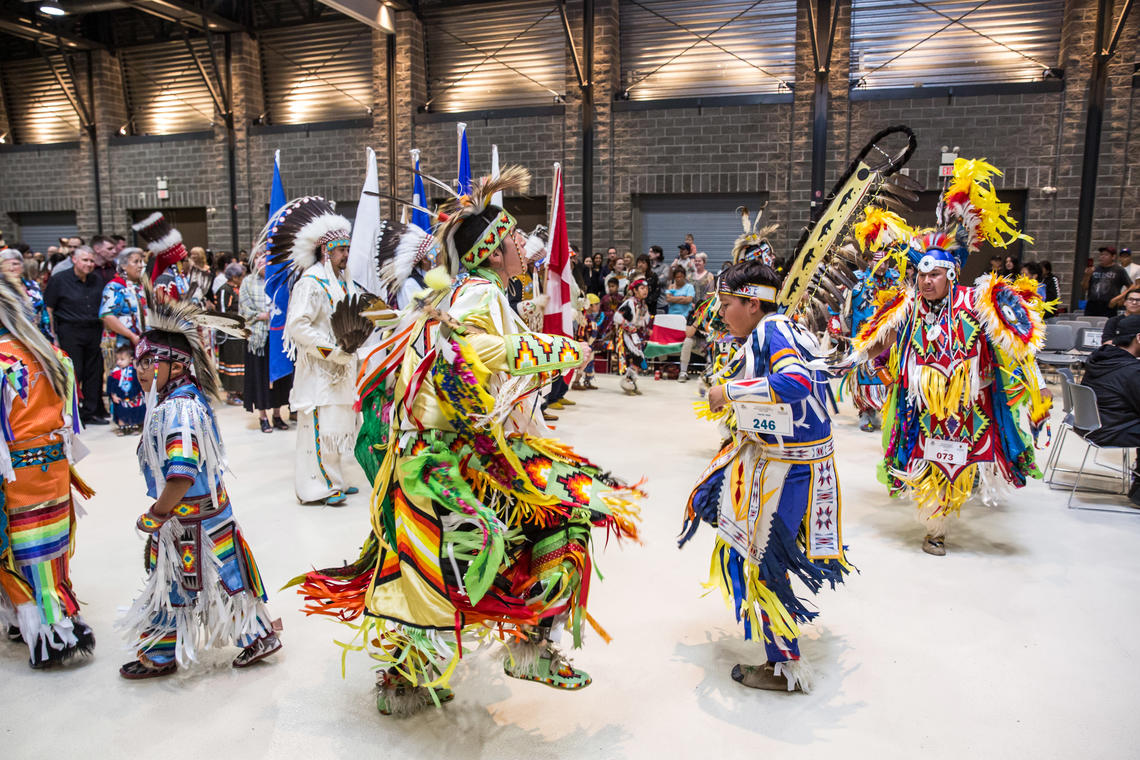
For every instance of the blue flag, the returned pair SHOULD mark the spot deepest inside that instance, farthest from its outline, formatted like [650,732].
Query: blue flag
[464,185]
[420,218]
[277,286]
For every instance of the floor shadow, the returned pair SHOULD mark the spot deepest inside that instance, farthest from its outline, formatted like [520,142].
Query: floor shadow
[795,718]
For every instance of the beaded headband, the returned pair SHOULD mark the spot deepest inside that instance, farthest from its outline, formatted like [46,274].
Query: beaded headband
[161,352]
[762,292]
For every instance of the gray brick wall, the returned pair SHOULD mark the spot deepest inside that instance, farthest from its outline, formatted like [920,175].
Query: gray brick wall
[1036,138]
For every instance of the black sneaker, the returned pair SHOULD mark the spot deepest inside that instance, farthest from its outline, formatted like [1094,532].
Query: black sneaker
[14,634]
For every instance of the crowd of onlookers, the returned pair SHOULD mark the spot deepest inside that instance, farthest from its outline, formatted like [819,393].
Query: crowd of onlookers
[90,299]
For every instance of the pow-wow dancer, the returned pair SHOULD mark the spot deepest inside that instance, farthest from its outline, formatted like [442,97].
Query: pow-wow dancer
[203,588]
[631,327]
[967,400]
[312,240]
[481,523]
[39,425]
[772,492]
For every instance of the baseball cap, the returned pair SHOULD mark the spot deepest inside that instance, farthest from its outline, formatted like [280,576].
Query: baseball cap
[1127,327]
[1108,248]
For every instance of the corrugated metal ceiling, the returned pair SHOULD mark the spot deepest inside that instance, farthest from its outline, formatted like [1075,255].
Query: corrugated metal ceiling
[38,108]
[905,43]
[751,47]
[530,70]
[317,72]
[166,92]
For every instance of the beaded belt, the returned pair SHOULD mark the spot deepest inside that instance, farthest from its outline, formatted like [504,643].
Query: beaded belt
[40,456]
[799,454]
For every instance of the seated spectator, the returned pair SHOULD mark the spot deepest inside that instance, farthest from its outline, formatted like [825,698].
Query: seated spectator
[1052,285]
[1113,373]
[1131,307]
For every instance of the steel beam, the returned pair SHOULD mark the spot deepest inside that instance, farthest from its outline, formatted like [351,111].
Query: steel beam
[822,21]
[185,14]
[30,29]
[1105,48]
[587,244]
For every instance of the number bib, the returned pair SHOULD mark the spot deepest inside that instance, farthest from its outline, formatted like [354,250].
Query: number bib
[771,419]
[943,451]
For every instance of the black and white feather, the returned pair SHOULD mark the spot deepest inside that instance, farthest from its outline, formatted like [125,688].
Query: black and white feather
[184,318]
[349,326]
[294,236]
[399,248]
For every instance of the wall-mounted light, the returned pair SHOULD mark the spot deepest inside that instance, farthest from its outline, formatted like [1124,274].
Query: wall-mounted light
[3,138]
[123,129]
[52,8]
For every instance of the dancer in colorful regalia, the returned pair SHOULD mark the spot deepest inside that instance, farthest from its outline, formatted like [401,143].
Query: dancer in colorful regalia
[631,327]
[967,400]
[481,522]
[773,498]
[203,588]
[868,383]
[39,419]
[312,240]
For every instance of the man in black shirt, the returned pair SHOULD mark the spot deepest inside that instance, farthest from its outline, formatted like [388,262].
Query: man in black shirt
[1113,373]
[72,298]
[1104,283]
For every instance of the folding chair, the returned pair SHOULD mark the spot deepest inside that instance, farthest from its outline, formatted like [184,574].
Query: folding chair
[1051,464]
[1060,339]
[1086,419]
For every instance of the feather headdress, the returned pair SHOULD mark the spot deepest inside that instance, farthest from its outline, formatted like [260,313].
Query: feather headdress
[172,335]
[474,227]
[753,244]
[16,317]
[294,236]
[399,248]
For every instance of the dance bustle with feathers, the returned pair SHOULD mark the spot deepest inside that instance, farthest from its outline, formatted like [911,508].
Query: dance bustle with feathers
[158,233]
[16,317]
[184,318]
[349,325]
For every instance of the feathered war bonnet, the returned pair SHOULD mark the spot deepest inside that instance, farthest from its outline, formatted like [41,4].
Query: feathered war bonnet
[294,236]
[162,240]
[172,336]
[969,214]
[753,244]
[475,227]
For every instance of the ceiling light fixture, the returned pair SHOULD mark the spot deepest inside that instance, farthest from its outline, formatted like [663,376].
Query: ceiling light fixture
[52,8]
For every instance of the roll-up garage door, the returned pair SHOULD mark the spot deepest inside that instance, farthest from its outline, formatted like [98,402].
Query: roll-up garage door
[41,229]
[714,222]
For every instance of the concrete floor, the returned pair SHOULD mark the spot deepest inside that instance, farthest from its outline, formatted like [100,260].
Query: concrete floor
[1021,643]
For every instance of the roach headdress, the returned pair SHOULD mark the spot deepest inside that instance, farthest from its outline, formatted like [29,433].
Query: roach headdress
[172,335]
[753,244]
[162,240]
[475,227]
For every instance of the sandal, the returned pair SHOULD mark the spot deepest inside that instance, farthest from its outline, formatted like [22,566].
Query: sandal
[265,426]
[280,424]
[258,651]
[137,671]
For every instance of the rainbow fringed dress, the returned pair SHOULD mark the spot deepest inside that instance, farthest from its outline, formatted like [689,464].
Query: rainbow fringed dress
[481,522]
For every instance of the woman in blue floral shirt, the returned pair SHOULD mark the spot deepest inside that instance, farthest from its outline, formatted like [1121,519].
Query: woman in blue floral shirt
[123,310]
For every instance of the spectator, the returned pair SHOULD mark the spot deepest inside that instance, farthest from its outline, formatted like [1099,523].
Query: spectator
[996,264]
[120,243]
[220,278]
[591,275]
[198,275]
[73,297]
[686,255]
[1103,283]
[644,268]
[600,266]
[104,250]
[231,350]
[1033,270]
[611,260]
[11,263]
[1132,269]
[661,270]
[1010,267]
[1052,284]
[1131,304]
[680,295]
[33,273]
[704,280]
[629,260]
[621,274]
[257,392]
[67,246]
[1113,372]
[128,402]
[123,305]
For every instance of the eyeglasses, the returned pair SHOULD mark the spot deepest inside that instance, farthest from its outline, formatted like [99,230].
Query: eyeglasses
[145,362]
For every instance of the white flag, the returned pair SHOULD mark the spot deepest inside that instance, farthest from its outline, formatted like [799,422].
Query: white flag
[362,250]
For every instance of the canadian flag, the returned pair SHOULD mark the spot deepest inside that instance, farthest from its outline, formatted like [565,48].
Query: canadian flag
[558,315]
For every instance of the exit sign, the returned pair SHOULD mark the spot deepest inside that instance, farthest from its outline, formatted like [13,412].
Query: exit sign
[946,170]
